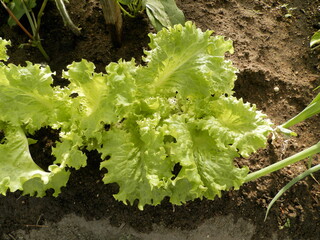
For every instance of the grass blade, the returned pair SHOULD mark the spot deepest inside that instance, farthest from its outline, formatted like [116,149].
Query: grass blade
[292,182]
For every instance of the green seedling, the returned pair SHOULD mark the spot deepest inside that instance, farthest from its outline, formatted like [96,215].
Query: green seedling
[161,13]
[289,10]
[135,7]
[19,8]
[287,224]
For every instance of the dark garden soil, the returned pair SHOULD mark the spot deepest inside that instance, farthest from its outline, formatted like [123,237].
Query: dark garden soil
[271,43]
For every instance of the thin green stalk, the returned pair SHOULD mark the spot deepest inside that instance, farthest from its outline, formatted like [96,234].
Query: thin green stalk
[43,52]
[35,26]
[283,163]
[312,109]
[40,14]
[66,18]
[125,12]
[136,7]
[37,35]
[290,184]
[32,24]
[16,20]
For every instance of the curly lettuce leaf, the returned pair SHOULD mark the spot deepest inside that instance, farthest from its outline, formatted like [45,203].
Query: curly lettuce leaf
[101,98]
[122,87]
[68,151]
[206,170]
[235,124]
[188,61]
[26,96]
[20,172]
[3,49]
[139,168]
[142,162]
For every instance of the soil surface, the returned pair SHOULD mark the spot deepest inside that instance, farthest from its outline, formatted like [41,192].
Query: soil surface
[271,40]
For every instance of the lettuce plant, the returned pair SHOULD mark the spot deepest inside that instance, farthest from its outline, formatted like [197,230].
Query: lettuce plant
[169,128]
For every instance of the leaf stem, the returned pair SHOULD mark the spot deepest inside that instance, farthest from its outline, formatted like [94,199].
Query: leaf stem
[125,12]
[31,22]
[283,163]
[17,21]
[35,26]
[66,18]
[40,14]
[312,109]
[290,184]
[41,49]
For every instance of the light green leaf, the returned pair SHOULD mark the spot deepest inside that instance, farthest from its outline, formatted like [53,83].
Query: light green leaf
[90,108]
[3,49]
[122,87]
[206,170]
[138,165]
[19,171]
[26,96]
[235,124]
[142,161]
[101,98]
[68,152]
[188,61]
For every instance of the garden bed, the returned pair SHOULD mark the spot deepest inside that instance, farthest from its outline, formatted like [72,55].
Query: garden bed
[271,41]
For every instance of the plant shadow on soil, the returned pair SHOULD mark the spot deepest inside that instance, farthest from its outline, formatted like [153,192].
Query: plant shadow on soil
[271,50]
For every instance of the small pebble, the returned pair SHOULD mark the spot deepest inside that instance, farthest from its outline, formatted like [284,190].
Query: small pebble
[276,89]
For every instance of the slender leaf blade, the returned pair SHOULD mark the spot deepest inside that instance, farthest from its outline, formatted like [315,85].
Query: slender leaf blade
[315,39]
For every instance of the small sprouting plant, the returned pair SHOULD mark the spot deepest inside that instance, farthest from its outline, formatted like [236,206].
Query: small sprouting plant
[16,9]
[288,10]
[135,7]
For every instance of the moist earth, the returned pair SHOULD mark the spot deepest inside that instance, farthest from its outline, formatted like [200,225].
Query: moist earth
[277,71]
